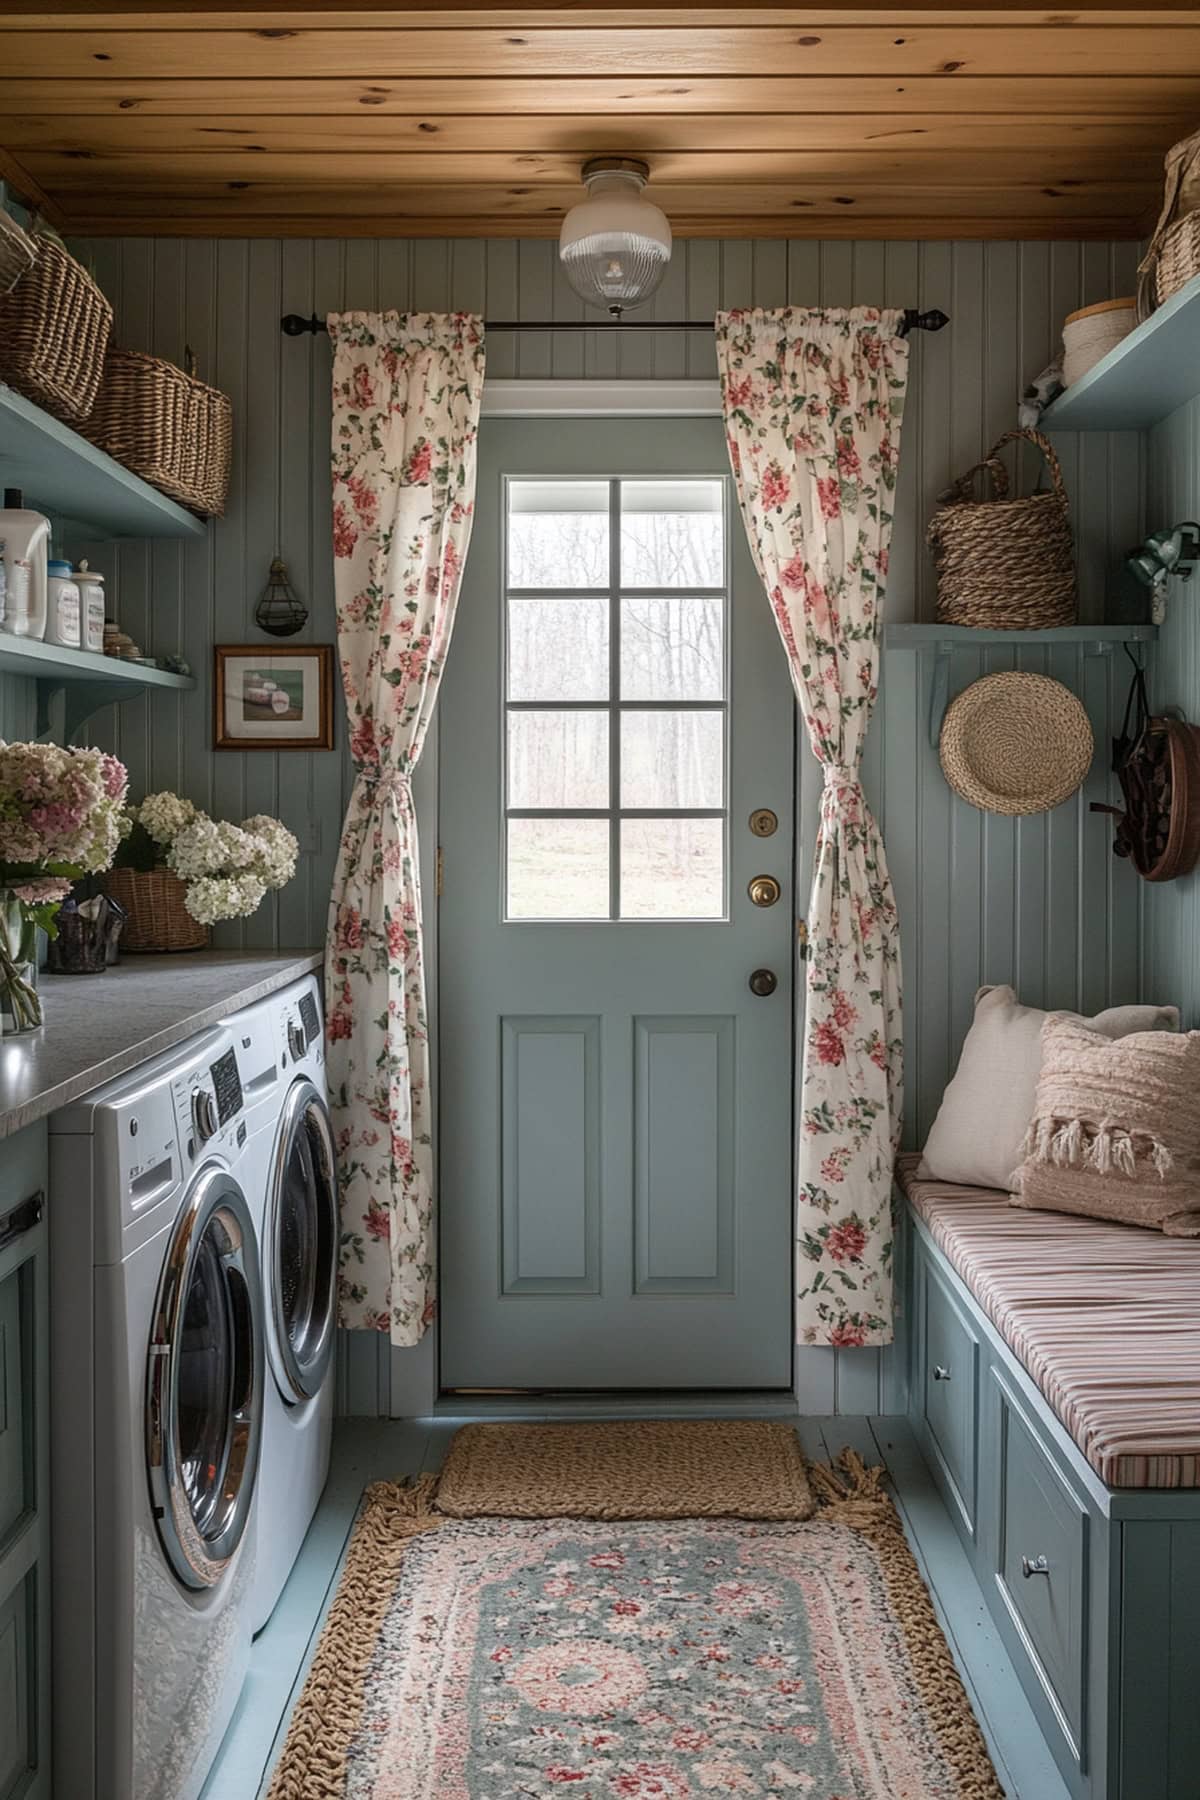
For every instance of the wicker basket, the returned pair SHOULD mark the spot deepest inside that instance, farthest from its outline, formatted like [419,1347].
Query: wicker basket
[1004,565]
[54,331]
[18,252]
[158,919]
[1174,253]
[165,425]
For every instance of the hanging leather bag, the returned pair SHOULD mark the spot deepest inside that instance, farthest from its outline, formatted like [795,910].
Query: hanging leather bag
[1156,759]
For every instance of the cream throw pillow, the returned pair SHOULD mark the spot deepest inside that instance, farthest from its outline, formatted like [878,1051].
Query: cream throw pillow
[985,1112]
[1115,1133]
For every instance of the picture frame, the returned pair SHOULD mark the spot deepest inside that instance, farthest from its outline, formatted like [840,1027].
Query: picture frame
[268,697]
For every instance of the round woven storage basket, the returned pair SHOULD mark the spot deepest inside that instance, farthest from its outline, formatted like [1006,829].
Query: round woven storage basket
[157,918]
[54,331]
[1004,565]
[1014,743]
[1090,333]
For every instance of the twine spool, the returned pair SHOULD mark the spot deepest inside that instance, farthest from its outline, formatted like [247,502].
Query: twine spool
[1016,743]
[1090,333]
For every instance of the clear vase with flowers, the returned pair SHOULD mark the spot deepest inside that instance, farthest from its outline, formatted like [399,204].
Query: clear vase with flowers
[61,817]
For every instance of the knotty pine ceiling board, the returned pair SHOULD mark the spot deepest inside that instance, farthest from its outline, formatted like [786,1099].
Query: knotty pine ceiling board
[964,121]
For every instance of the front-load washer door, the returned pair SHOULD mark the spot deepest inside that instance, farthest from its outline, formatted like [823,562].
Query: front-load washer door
[301,1245]
[205,1381]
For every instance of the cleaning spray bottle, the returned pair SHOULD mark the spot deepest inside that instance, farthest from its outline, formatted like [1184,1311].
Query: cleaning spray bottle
[26,538]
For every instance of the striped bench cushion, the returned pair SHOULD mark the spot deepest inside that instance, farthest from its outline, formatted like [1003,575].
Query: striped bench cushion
[1105,1318]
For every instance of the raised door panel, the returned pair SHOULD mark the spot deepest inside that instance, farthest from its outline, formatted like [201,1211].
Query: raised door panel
[683,1155]
[550,1137]
[949,1388]
[1041,1569]
[16,1411]
[18,1753]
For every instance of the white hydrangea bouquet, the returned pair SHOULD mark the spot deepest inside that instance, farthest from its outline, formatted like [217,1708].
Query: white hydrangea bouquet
[226,869]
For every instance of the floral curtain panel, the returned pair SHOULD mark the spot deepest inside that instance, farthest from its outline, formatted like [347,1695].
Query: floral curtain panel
[406,394]
[813,402]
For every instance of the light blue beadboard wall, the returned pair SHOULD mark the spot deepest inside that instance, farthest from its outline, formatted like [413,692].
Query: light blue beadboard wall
[1171,944]
[981,899]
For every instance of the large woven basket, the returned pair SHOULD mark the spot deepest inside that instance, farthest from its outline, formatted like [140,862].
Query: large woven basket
[158,919]
[167,426]
[18,252]
[54,330]
[1173,256]
[1004,564]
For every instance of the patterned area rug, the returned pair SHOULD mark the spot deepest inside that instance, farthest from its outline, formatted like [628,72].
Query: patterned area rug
[501,1659]
[627,1469]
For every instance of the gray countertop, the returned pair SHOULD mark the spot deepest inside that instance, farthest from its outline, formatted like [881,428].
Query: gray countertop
[97,1026]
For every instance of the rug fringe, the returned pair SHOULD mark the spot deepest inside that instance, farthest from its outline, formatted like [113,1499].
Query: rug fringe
[849,1492]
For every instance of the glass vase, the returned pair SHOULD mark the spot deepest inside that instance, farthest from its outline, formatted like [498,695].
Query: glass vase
[20,1002]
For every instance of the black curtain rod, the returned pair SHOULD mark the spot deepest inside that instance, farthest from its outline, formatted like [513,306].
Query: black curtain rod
[294,326]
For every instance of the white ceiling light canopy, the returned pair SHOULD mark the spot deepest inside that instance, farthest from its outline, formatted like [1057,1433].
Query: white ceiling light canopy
[615,245]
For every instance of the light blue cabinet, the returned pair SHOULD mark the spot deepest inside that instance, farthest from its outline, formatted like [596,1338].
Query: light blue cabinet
[1095,1591]
[24,1471]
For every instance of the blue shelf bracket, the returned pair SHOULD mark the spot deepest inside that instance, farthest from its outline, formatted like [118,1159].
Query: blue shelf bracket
[939,693]
[80,700]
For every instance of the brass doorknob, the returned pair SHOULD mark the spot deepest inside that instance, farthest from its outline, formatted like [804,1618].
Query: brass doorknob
[763,822]
[764,890]
[763,982]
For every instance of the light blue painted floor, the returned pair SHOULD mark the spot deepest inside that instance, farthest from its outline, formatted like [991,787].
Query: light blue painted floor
[370,1449]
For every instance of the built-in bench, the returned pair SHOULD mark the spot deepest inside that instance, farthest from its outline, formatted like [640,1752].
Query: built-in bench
[1054,1381]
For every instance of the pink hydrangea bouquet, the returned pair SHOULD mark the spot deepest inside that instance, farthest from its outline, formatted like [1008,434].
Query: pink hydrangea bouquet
[61,817]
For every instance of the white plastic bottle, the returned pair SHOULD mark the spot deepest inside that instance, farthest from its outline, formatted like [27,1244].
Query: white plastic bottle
[26,536]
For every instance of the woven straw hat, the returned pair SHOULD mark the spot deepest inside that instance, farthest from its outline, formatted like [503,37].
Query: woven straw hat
[1015,743]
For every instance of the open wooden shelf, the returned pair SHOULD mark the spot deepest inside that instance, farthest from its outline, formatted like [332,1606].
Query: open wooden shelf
[87,680]
[913,637]
[59,472]
[1149,374]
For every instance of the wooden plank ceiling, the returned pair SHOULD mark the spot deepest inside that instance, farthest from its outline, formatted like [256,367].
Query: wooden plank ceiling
[829,120]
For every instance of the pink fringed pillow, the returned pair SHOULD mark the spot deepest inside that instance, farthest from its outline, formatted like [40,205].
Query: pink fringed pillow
[1116,1128]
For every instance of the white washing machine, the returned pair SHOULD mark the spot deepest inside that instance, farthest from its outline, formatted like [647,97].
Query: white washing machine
[158,1381]
[291,1181]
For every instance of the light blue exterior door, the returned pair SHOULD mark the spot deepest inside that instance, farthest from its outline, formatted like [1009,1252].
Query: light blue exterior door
[615,1099]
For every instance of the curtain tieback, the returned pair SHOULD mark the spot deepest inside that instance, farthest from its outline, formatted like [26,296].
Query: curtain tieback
[837,778]
[382,783]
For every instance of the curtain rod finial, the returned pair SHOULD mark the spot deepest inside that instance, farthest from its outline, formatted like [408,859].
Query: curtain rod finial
[294,326]
[914,320]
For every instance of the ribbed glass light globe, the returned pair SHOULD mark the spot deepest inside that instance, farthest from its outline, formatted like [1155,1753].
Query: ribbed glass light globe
[615,245]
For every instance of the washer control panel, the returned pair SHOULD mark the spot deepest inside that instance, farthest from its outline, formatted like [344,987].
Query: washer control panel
[208,1100]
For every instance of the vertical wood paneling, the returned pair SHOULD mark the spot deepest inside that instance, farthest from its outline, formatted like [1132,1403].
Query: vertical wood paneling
[1039,902]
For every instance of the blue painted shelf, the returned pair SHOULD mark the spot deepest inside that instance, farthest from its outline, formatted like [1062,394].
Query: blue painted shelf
[59,472]
[86,680]
[914,637]
[1149,374]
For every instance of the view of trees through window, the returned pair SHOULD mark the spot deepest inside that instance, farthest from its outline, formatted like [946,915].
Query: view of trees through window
[616,689]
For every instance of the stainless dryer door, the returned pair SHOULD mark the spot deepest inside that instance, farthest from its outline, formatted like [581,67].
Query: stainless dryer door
[300,1249]
[205,1381]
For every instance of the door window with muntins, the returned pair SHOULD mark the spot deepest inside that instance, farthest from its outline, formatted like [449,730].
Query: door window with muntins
[616,709]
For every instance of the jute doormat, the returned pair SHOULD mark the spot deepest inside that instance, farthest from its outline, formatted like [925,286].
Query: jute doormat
[515,1659]
[627,1469]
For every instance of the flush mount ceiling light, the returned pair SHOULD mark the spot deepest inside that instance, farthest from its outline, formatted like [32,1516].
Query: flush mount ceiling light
[615,245]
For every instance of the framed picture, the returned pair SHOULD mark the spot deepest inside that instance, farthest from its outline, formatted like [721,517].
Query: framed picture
[267,698]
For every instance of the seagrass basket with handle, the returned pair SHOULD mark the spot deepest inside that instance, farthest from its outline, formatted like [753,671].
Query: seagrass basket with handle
[1004,563]
[167,426]
[157,917]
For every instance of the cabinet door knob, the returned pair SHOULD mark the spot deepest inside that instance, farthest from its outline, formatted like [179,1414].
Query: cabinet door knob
[940,1372]
[1035,1565]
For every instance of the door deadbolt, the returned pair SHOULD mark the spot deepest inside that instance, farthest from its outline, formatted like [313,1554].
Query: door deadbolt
[764,890]
[763,982]
[763,822]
